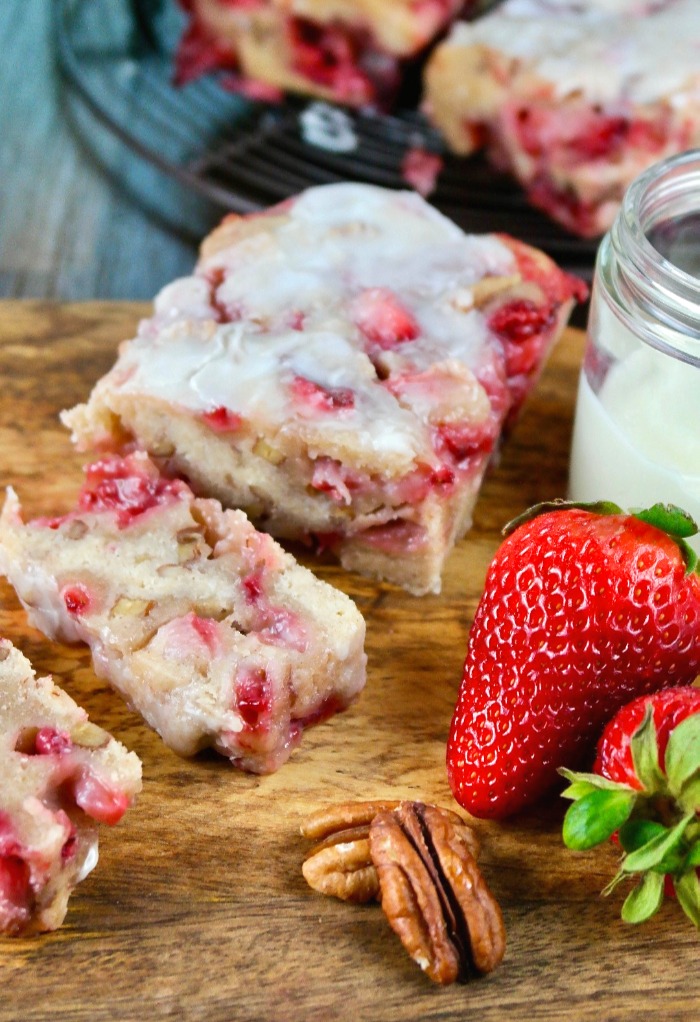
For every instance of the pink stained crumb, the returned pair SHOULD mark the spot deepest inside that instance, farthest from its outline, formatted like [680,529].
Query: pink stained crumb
[330,477]
[420,169]
[253,586]
[414,487]
[382,318]
[281,627]
[125,487]
[327,709]
[296,320]
[396,537]
[191,638]
[207,629]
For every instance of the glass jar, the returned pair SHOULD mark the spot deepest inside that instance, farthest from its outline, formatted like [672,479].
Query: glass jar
[637,426]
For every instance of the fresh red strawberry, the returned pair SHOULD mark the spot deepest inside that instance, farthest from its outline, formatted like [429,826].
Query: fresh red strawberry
[615,755]
[584,608]
[645,792]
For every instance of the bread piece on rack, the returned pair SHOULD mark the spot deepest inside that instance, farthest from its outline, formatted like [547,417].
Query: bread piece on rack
[61,775]
[349,52]
[574,97]
[341,368]
[207,627]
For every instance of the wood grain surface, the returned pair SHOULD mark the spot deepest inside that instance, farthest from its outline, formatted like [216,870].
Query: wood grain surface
[197,908]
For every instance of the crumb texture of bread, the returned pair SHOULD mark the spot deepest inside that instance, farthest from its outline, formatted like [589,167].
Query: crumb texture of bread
[341,368]
[61,775]
[574,98]
[207,627]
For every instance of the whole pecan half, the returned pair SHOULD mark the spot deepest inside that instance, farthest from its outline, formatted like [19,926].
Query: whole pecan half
[340,865]
[433,893]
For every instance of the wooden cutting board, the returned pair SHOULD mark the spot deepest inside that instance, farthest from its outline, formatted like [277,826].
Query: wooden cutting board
[197,909]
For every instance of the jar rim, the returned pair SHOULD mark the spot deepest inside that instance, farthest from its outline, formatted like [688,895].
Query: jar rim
[659,299]
[651,197]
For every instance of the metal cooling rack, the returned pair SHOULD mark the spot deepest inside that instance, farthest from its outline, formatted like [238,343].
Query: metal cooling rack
[116,59]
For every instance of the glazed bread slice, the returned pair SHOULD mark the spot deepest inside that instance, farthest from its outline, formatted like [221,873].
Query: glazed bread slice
[206,627]
[349,51]
[61,776]
[574,97]
[340,368]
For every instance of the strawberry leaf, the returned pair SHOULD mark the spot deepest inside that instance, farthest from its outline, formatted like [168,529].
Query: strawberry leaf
[644,900]
[595,817]
[693,856]
[687,890]
[683,753]
[689,797]
[645,754]
[657,849]
[692,860]
[669,518]
[583,784]
[636,833]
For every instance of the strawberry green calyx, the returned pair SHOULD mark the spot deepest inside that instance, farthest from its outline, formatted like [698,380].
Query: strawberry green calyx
[598,507]
[678,524]
[656,819]
[668,518]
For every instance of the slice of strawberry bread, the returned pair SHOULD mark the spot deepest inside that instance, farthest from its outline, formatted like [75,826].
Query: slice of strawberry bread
[347,52]
[341,368]
[207,627]
[61,775]
[574,97]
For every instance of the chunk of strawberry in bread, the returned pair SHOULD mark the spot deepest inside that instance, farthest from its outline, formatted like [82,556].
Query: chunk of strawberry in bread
[207,627]
[61,776]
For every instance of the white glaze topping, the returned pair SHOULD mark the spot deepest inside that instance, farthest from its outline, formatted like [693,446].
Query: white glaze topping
[638,50]
[331,244]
